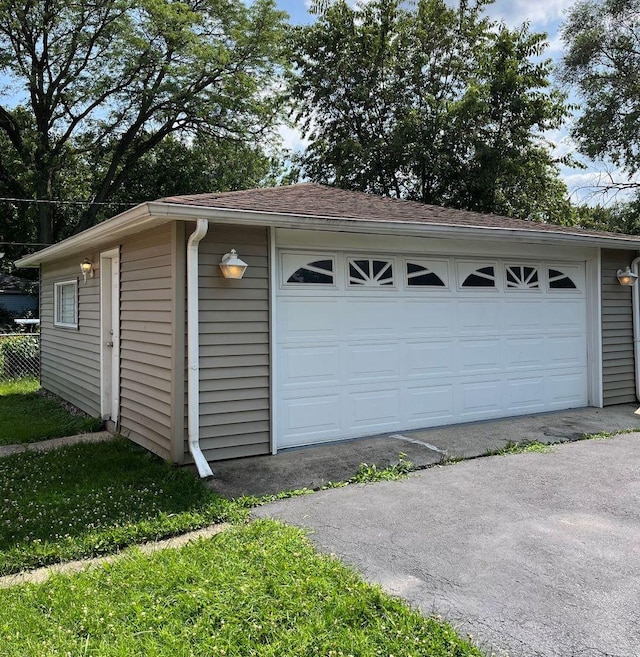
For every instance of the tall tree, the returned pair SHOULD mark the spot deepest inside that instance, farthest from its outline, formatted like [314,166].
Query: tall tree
[602,61]
[434,103]
[109,80]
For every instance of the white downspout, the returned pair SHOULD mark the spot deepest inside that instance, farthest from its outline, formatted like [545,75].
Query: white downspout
[193,350]
[635,298]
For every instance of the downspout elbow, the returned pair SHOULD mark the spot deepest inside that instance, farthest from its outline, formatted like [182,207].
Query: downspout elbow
[193,350]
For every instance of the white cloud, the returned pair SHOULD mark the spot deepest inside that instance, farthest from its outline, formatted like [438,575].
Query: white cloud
[292,138]
[542,14]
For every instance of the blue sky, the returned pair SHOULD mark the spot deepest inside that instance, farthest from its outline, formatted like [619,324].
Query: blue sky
[543,16]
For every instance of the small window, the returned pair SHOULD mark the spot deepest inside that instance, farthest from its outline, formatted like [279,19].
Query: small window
[560,281]
[522,277]
[417,275]
[370,273]
[318,272]
[483,277]
[66,304]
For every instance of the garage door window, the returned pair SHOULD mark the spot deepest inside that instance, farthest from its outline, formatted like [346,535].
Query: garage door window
[317,272]
[308,269]
[558,280]
[370,273]
[420,276]
[522,277]
[482,277]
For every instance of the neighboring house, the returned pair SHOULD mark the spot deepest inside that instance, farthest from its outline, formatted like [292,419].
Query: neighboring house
[17,295]
[357,315]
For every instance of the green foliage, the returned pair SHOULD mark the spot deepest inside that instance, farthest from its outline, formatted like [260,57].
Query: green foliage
[513,447]
[116,78]
[602,62]
[258,590]
[91,499]
[430,102]
[371,473]
[28,416]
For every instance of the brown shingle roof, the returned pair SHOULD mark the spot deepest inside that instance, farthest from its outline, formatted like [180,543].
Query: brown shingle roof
[310,199]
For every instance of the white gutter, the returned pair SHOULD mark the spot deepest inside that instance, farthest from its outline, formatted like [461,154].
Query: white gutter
[193,350]
[635,298]
[434,229]
[148,215]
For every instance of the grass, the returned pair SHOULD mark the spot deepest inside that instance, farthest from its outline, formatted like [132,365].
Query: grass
[91,499]
[26,415]
[525,446]
[258,590]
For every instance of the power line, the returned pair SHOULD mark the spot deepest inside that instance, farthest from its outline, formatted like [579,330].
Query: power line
[24,244]
[8,199]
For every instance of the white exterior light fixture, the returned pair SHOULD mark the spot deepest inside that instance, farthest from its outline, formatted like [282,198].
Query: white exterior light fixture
[627,277]
[86,267]
[231,266]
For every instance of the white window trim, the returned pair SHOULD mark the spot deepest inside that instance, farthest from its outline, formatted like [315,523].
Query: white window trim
[367,288]
[523,290]
[286,271]
[56,307]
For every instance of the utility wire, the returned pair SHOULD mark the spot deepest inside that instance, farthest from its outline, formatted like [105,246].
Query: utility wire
[8,199]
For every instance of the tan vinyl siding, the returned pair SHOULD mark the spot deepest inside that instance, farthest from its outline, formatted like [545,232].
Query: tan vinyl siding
[70,358]
[234,346]
[618,368]
[146,328]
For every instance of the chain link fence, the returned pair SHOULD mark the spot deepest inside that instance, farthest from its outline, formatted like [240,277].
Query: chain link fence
[19,356]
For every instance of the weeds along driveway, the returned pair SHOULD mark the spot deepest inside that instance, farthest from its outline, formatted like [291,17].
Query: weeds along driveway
[532,554]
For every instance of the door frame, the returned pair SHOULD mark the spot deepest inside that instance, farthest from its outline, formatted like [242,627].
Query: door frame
[109,318]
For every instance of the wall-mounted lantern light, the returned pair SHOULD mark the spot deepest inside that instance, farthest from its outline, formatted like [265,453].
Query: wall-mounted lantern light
[231,266]
[627,277]
[86,267]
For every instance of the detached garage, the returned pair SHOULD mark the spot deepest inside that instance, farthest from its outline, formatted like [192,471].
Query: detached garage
[356,315]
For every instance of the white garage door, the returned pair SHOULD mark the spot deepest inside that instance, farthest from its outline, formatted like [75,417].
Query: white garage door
[370,344]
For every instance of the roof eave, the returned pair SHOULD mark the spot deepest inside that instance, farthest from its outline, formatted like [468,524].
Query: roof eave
[155,213]
[283,220]
[131,221]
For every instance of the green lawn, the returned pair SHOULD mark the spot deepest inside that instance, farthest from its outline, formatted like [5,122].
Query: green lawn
[91,499]
[255,590]
[28,416]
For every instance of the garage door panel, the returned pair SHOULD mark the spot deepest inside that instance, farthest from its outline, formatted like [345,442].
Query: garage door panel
[310,366]
[567,389]
[478,356]
[480,398]
[370,318]
[525,394]
[522,316]
[425,359]
[565,351]
[524,353]
[428,318]
[373,410]
[304,320]
[369,363]
[478,316]
[311,419]
[427,404]
[565,315]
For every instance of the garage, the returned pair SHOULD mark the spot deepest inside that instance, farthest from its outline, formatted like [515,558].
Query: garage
[372,343]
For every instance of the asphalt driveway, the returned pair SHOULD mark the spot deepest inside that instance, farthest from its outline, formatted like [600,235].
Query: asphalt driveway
[532,554]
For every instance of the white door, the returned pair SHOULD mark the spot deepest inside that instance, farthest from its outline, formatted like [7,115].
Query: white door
[110,333]
[370,344]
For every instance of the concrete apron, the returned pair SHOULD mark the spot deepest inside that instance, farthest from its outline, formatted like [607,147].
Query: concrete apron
[314,467]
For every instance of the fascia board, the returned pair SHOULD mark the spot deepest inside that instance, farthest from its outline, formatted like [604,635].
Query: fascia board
[407,229]
[155,213]
[132,221]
